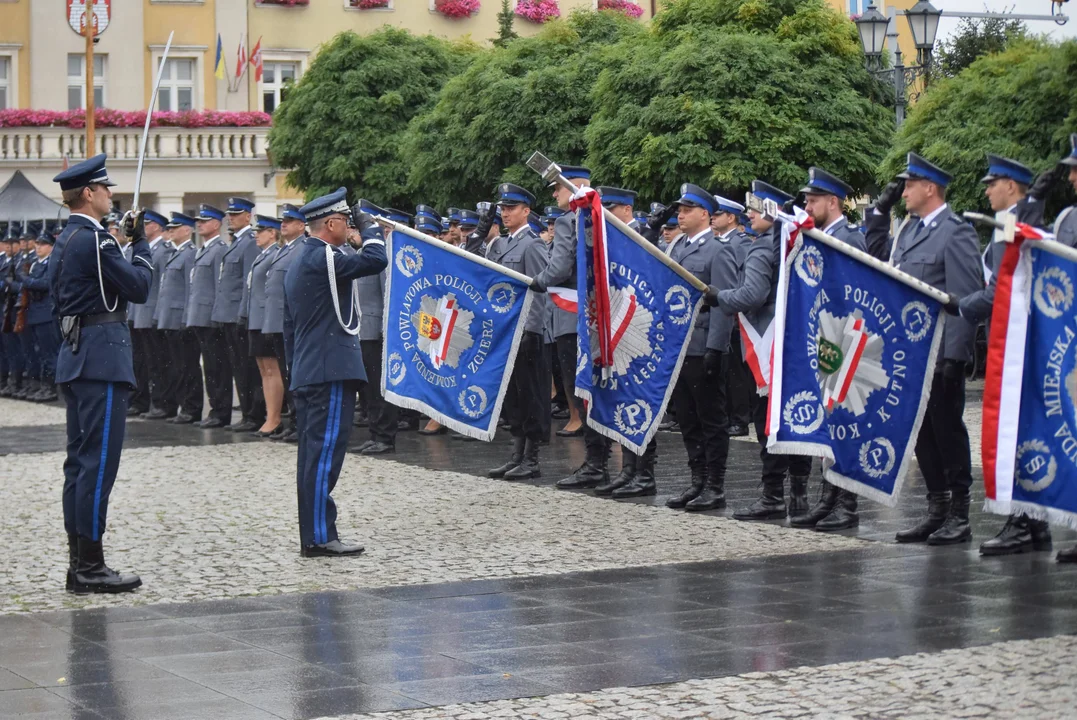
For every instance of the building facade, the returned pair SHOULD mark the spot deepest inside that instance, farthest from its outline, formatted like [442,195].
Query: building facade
[187,166]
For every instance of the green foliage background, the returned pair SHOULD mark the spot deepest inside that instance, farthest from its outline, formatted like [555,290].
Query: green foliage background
[1021,103]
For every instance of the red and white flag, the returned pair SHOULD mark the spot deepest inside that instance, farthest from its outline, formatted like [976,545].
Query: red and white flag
[256,60]
[585,199]
[241,60]
[565,298]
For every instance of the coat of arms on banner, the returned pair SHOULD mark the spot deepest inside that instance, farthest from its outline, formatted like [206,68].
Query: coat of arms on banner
[855,363]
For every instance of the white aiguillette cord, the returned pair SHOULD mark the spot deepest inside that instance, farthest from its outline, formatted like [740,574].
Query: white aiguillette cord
[355,310]
[101,278]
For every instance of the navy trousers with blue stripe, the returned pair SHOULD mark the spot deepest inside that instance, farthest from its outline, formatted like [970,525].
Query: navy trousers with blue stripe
[324,421]
[96,419]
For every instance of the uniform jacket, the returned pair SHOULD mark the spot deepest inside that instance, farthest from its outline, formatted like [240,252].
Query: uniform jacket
[712,260]
[202,289]
[236,263]
[104,350]
[757,282]
[316,346]
[524,252]
[127,251]
[175,287]
[976,307]
[253,307]
[273,322]
[145,313]
[36,282]
[561,272]
[945,255]
[1066,226]
[850,235]
[372,305]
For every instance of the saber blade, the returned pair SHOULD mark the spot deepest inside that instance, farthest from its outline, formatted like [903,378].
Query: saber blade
[146,126]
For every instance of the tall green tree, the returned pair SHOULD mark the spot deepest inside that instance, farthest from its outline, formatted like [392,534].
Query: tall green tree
[505,31]
[343,122]
[1021,103]
[974,39]
[532,95]
[724,91]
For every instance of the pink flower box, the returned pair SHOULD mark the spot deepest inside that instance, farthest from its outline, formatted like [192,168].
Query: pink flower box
[628,7]
[457,9]
[133,118]
[538,11]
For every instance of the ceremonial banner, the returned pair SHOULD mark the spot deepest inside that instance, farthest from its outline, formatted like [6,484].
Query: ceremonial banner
[1030,392]
[635,321]
[452,326]
[854,354]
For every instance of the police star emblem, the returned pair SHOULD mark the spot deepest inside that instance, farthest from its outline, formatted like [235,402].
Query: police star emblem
[849,362]
[630,328]
[444,330]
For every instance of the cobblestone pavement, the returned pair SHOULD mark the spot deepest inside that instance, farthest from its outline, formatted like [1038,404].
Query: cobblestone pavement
[1020,679]
[216,522]
[18,413]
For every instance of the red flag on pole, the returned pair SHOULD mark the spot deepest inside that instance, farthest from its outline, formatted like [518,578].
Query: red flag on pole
[256,60]
[241,60]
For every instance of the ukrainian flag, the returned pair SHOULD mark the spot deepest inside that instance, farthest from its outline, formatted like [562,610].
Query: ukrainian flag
[218,64]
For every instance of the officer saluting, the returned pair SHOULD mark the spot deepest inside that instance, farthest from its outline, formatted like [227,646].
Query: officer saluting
[91,284]
[326,362]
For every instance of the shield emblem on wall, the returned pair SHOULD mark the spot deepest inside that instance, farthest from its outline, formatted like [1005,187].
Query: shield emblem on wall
[100,14]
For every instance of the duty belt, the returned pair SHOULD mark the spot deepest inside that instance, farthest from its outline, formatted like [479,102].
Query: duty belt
[102,318]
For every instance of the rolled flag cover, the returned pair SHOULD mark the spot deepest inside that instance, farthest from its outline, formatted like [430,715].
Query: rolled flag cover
[452,327]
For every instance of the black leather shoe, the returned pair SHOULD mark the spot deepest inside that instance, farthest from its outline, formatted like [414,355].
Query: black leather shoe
[48,394]
[585,477]
[360,419]
[738,431]
[842,516]
[440,430]
[135,411]
[182,419]
[828,496]
[1069,555]
[1017,536]
[378,448]
[770,506]
[629,461]
[642,484]
[956,528]
[92,574]
[358,449]
[72,561]
[578,432]
[798,495]
[211,423]
[291,437]
[269,433]
[156,414]
[333,548]
[938,507]
[245,426]
[517,457]
[711,498]
[282,430]
[529,464]
[678,502]
[560,414]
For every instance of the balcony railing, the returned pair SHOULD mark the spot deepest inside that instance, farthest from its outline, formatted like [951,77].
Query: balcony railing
[32,144]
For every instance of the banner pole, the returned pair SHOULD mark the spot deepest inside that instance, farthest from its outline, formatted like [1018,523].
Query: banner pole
[489,264]
[551,172]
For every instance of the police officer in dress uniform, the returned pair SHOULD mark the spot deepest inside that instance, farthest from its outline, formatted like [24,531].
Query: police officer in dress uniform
[91,284]
[236,264]
[1066,232]
[325,359]
[41,322]
[382,415]
[825,196]
[266,232]
[184,393]
[754,296]
[139,402]
[293,228]
[7,358]
[31,359]
[699,395]
[740,386]
[522,250]
[201,300]
[1007,187]
[941,249]
[146,339]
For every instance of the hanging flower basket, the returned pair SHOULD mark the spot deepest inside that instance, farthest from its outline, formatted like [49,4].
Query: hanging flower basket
[104,117]
[369,4]
[457,9]
[629,8]
[538,11]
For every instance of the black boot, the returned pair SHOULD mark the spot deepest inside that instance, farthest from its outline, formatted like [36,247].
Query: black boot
[29,385]
[93,576]
[517,458]
[593,472]
[828,496]
[529,466]
[956,528]
[642,484]
[72,561]
[843,516]
[713,495]
[1020,534]
[1069,555]
[798,495]
[771,506]
[938,505]
[629,461]
[699,479]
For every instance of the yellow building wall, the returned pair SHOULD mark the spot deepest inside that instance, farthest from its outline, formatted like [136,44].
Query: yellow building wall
[905,42]
[193,24]
[15,29]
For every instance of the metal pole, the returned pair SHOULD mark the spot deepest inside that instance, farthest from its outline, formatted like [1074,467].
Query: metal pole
[899,89]
[89,18]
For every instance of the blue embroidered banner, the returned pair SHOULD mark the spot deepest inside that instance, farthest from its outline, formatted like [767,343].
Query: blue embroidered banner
[452,326]
[651,310]
[853,362]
